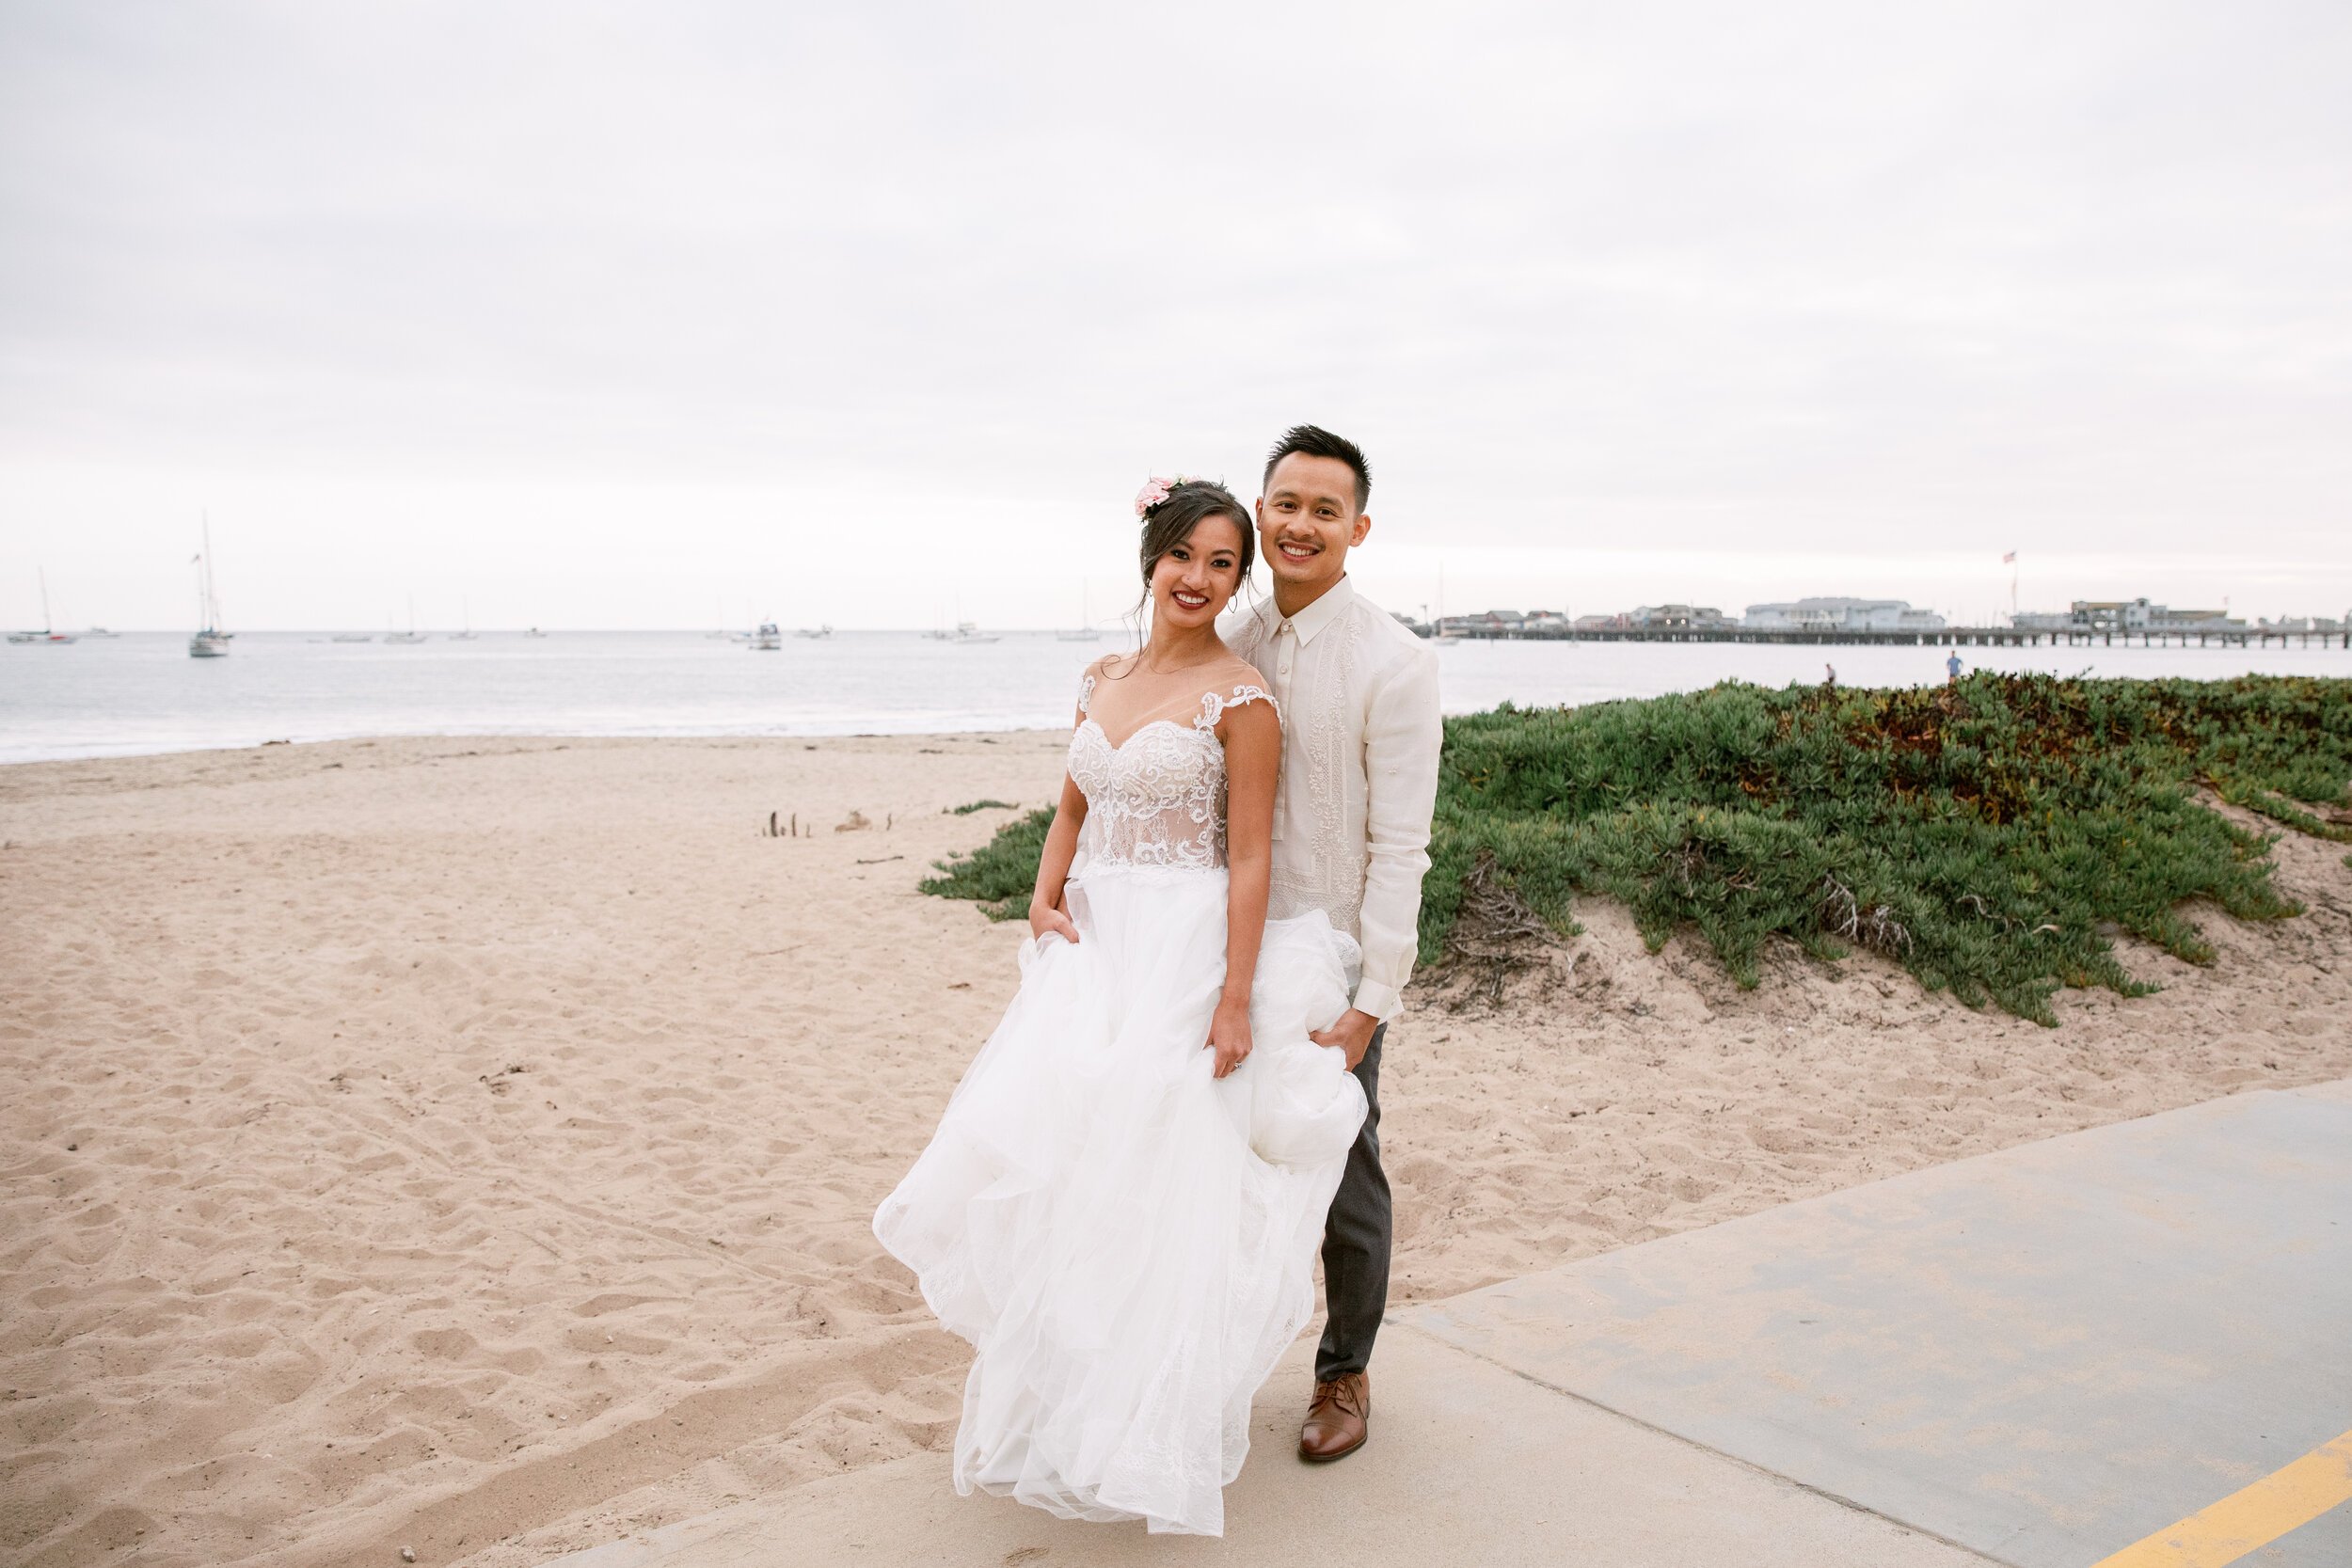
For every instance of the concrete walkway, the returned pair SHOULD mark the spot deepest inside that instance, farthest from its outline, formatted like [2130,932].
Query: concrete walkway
[2045,1353]
[2035,1358]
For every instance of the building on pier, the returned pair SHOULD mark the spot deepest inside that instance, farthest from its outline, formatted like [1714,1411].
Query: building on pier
[1840,614]
[1678,617]
[2133,615]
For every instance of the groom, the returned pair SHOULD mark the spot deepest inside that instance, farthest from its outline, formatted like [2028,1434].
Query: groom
[1358,700]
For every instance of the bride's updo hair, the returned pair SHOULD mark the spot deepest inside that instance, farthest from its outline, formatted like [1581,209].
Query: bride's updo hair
[1167,523]
[1190,503]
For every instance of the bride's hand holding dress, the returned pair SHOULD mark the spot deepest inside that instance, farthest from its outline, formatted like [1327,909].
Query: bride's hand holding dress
[1046,915]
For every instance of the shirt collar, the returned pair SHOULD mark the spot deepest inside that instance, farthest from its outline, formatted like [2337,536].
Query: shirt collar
[1321,614]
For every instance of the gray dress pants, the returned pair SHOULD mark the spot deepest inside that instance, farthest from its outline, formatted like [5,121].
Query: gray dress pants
[1356,1241]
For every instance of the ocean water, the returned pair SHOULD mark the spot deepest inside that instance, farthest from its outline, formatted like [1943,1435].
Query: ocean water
[140,692]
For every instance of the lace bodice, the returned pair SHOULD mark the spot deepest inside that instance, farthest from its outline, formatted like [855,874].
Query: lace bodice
[1158,797]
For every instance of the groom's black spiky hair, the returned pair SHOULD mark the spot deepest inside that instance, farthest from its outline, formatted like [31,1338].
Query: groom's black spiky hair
[1315,442]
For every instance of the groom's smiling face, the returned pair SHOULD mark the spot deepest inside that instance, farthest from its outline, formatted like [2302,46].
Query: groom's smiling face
[1309,519]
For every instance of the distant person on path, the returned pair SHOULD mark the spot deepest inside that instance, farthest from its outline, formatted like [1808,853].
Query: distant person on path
[1951,669]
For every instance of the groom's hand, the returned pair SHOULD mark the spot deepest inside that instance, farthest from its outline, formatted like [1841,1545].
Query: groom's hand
[1351,1033]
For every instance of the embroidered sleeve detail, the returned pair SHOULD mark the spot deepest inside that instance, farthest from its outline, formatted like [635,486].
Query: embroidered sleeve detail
[1213,703]
[1252,693]
[1086,694]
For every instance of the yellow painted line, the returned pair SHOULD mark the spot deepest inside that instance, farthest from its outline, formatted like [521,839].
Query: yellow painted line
[2251,1518]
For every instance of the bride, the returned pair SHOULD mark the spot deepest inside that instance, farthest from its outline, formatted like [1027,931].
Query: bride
[1121,1205]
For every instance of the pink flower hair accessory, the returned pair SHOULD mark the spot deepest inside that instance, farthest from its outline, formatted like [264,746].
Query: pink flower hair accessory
[1155,490]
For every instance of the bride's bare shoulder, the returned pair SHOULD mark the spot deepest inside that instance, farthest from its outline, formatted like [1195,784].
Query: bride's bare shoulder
[1093,677]
[1238,672]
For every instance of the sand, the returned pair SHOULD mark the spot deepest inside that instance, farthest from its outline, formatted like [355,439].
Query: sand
[469,1143]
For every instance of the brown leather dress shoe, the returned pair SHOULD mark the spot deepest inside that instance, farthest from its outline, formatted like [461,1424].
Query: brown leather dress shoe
[1339,1419]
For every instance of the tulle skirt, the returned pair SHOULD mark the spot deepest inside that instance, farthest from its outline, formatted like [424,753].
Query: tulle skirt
[1127,1241]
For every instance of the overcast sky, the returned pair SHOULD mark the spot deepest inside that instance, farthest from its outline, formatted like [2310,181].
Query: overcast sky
[663,314]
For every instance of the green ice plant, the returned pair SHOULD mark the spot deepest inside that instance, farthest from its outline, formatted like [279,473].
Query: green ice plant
[1986,835]
[1000,873]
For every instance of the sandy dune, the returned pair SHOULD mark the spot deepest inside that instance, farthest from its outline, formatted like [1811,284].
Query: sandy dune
[469,1143]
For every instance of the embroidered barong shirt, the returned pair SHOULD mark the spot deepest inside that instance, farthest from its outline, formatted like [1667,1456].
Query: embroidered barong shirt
[1358,693]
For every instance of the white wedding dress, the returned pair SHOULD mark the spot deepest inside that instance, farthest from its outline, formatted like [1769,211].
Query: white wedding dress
[1127,1241]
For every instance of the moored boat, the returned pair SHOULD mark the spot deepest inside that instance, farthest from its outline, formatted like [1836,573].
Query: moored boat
[210,642]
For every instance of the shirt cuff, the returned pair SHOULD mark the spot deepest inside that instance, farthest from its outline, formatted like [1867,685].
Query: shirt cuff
[1378,998]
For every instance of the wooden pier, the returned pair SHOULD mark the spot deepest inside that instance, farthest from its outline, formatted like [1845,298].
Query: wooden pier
[1941,637]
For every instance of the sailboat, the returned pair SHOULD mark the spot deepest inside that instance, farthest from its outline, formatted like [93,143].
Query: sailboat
[46,634]
[768,639]
[411,635]
[466,620]
[825,630]
[1086,630]
[1437,628]
[210,642]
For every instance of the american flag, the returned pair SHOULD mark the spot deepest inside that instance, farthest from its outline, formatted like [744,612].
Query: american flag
[2008,558]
